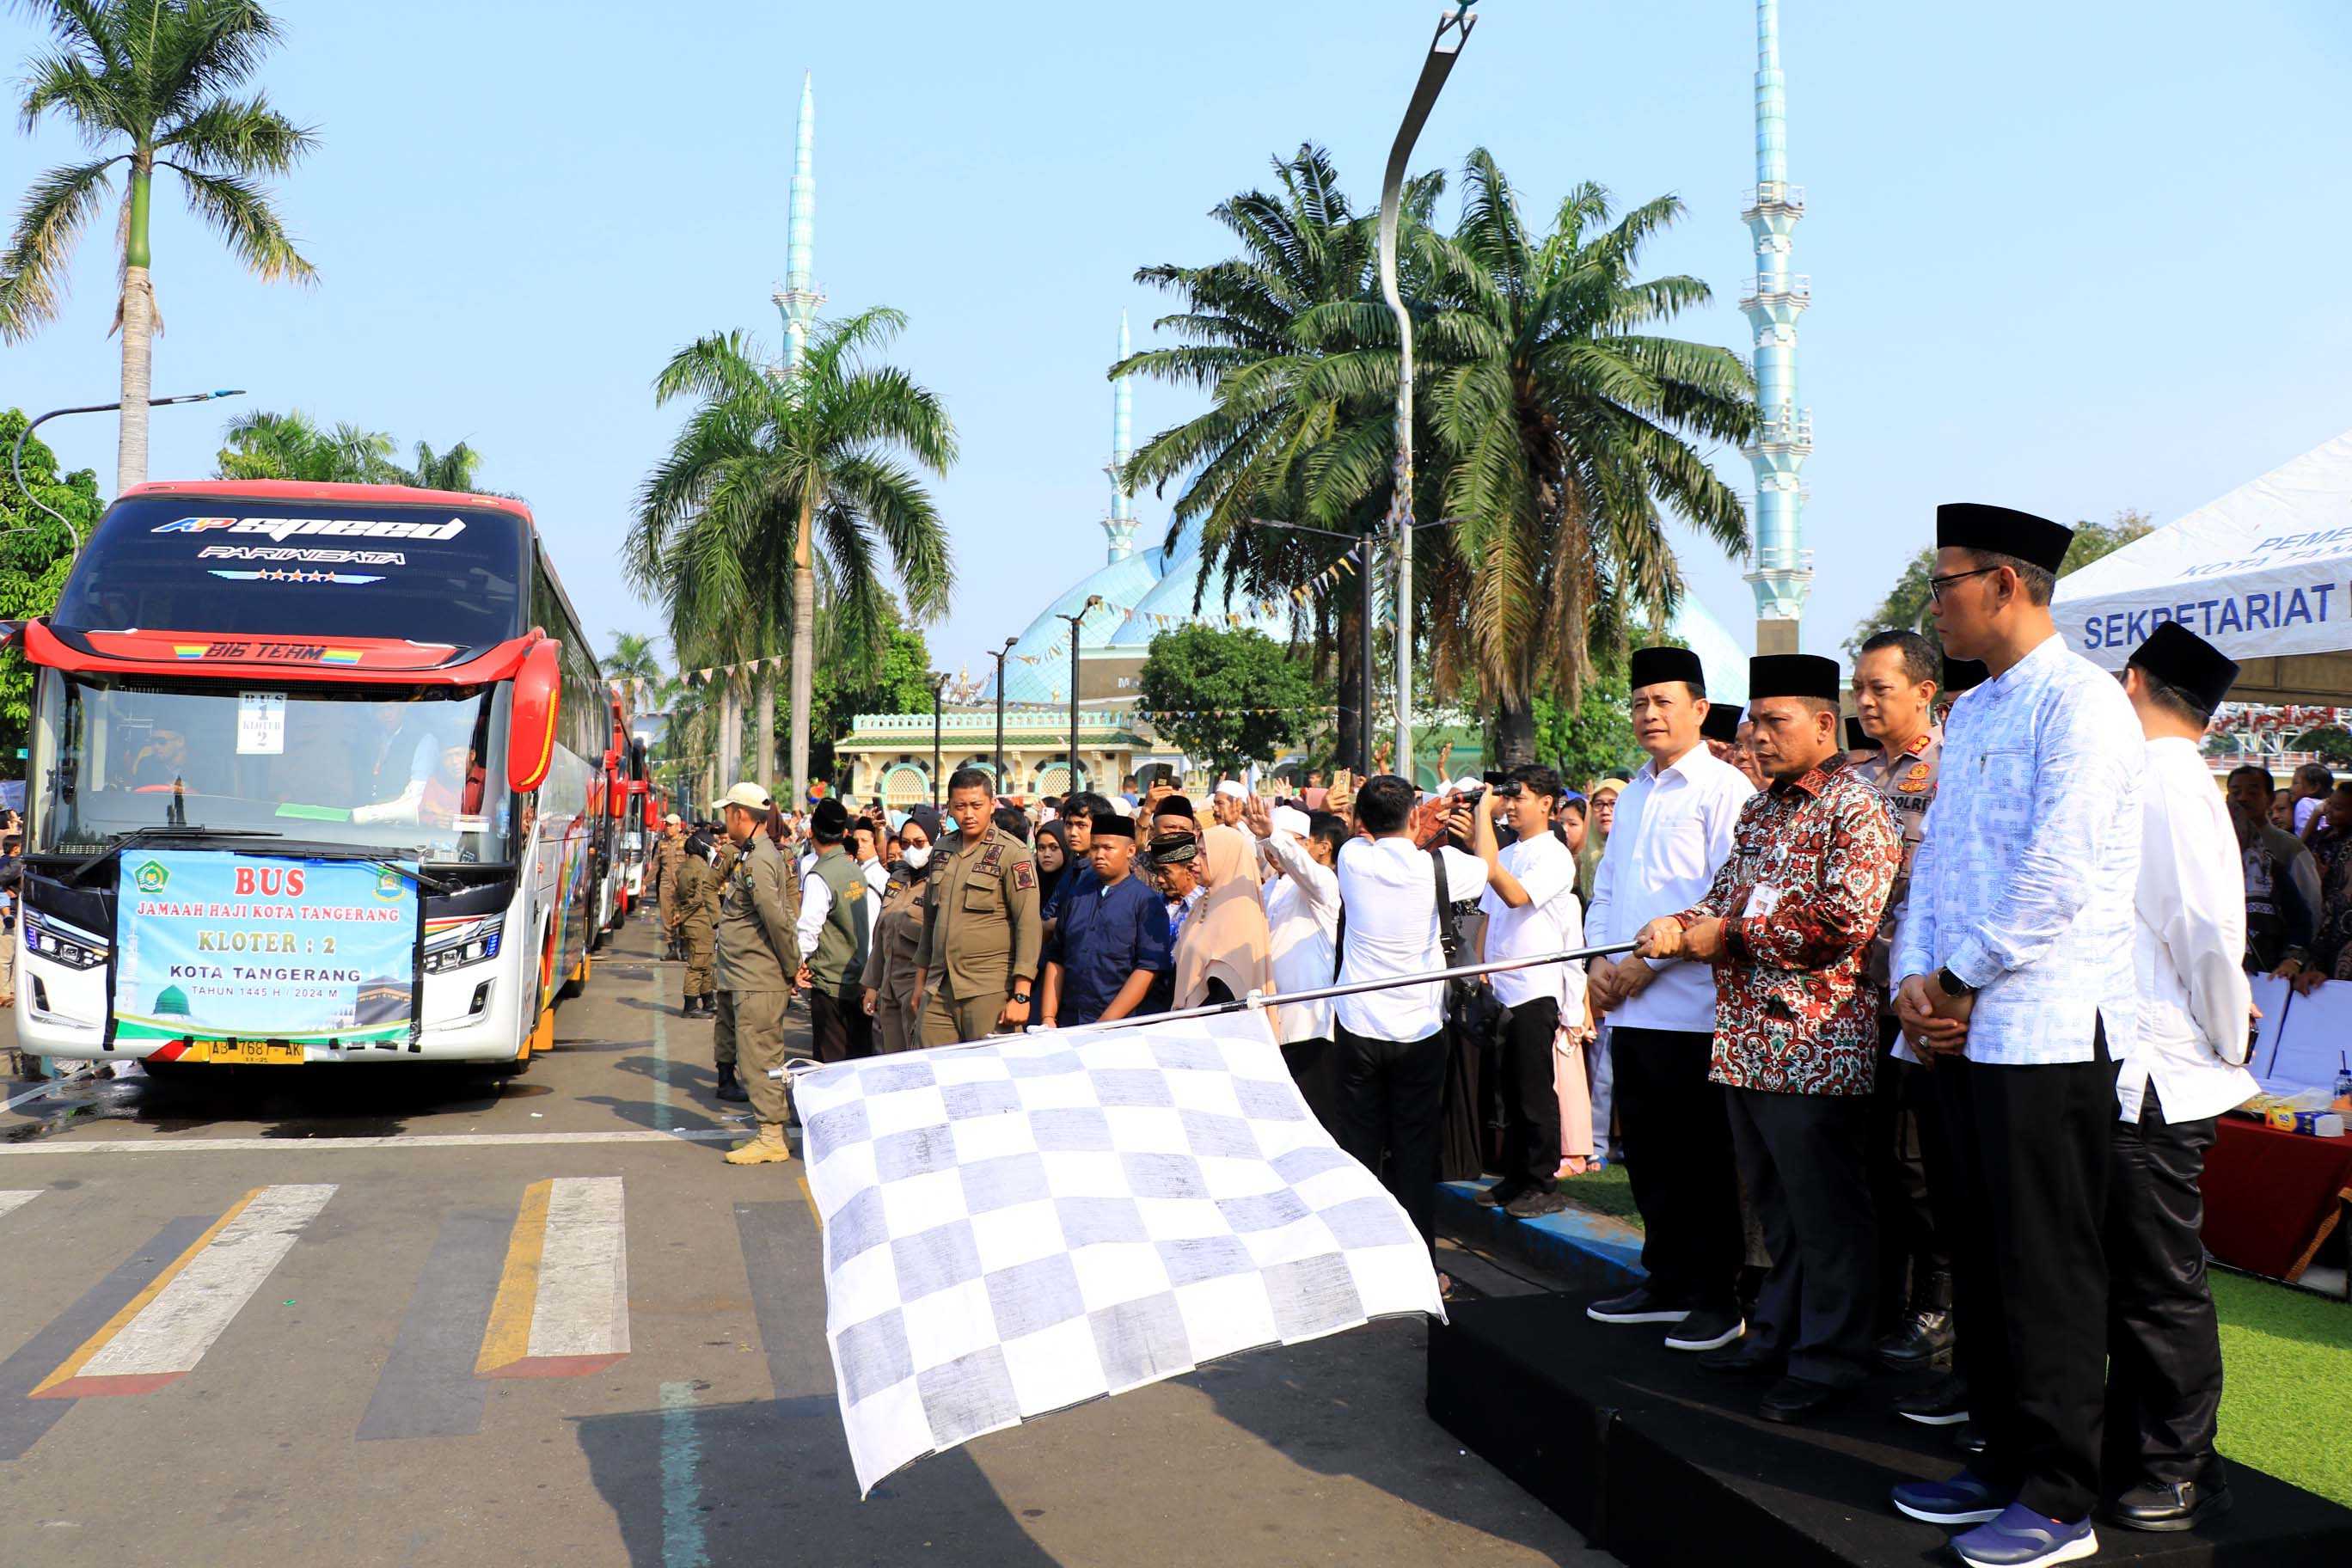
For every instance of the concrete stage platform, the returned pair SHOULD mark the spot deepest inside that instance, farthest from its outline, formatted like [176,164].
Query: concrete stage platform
[1664,1465]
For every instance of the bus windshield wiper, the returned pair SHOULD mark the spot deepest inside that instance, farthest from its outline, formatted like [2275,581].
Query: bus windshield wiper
[81,868]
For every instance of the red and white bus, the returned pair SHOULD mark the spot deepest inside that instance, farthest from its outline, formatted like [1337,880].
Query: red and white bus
[278,727]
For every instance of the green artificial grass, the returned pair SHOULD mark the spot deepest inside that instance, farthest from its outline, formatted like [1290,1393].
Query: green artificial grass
[2287,1361]
[1609,1192]
[2286,1358]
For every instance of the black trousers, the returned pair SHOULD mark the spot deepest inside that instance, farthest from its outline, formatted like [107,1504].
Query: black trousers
[1909,1161]
[2029,1146]
[1678,1139]
[1530,1102]
[841,1027]
[1801,1160]
[1315,1067]
[2164,1351]
[1391,1111]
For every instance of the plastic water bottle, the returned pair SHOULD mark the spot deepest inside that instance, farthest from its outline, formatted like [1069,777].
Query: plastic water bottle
[2343,1101]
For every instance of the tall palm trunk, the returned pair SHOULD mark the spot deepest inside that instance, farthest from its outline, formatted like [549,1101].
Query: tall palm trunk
[138,309]
[804,640]
[1515,732]
[764,682]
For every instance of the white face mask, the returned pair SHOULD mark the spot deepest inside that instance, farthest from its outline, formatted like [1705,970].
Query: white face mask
[919,855]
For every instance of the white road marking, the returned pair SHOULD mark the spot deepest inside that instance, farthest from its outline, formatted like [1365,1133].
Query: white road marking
[11,1202]
[174,1330]
[167,1145]
[583,1271]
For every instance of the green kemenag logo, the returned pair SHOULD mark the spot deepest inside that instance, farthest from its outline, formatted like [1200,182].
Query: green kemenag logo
[151,878]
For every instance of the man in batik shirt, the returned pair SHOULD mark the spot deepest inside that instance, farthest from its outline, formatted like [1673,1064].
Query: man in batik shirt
[1787,925]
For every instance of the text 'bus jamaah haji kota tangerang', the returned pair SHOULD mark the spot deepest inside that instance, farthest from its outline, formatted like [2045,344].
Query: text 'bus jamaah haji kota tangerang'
[316,774]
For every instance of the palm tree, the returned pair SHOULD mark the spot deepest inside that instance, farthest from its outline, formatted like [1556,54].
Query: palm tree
[1292,436]
[794,474]
[450,470]
[1565,423]
[633,657]
[267,445]
[155,78]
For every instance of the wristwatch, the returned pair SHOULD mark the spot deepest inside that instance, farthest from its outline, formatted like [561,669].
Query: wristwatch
[1020,996]
[1952,985]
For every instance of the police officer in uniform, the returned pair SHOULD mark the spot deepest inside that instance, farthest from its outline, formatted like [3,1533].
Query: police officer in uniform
[698,911]
[982,926]
[667,854]
[757,959]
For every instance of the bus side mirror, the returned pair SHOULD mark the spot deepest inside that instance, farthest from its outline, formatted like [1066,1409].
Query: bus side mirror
[531,733]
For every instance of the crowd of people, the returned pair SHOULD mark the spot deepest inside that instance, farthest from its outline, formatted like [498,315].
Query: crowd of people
[1911,1035]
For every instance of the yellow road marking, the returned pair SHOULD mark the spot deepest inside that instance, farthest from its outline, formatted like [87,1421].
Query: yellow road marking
[809,1198]
[507,1338]
[72,1364]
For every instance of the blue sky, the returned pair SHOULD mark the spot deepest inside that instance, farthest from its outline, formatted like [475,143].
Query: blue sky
[2069,257]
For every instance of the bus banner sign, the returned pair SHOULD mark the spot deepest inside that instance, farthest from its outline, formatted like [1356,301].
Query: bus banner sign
[223,947]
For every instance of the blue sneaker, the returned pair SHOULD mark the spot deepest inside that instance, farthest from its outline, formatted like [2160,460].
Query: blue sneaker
[2021,1537]
[1963,1500]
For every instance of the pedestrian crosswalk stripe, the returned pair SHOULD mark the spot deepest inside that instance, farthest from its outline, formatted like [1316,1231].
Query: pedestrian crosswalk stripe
[11,1202]
[164,1332]
[563,1306]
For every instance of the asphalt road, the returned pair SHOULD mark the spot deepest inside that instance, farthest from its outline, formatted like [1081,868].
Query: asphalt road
[380,1315]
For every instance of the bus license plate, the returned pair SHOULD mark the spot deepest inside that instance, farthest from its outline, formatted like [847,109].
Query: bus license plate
[247,1053]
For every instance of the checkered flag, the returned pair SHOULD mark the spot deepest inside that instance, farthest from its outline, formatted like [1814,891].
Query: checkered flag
[1020,1224]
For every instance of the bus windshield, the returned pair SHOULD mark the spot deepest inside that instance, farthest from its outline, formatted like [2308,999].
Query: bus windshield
[404,772]
[240,565]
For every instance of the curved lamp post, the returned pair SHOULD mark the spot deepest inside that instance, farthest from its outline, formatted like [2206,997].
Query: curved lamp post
[1452,32]
[1092,600]
[939,681]
[17,453]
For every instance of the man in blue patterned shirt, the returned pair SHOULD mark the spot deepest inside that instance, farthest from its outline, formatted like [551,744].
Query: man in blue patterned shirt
[2014,955]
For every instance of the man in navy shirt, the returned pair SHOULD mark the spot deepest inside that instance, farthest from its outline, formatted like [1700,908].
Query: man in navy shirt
[1111,941]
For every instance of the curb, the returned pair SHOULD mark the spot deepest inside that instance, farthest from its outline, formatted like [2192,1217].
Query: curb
[1594,1250]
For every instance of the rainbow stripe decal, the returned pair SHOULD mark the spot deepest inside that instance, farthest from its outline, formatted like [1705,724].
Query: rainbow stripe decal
[188,650]
[340,656]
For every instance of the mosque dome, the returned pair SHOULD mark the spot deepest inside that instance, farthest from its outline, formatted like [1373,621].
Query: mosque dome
[1171,603]
[1039,667]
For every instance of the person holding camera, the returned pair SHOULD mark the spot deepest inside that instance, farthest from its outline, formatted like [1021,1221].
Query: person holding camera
[1391,1042]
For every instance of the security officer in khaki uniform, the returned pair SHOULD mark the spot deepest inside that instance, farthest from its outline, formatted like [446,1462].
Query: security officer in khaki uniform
[892,976]
[981,929]
[667,852]
[758,956]
[697,916]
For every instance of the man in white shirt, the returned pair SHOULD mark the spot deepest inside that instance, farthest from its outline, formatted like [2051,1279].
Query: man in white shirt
[1302,911]
[2186,1068]
[2013,955]
[1391,1042]
[1531,909]
[1673,828]
[869,861]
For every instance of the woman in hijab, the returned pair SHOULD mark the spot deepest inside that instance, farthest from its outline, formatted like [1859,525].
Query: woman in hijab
[1226,950]
[1053,848]
[890,973]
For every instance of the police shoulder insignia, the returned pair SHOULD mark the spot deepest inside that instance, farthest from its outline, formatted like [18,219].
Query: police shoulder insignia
[1024,874]
[991,859]
[1921,776]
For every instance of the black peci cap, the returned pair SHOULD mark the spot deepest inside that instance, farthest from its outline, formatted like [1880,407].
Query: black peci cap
[1963,675]
[1721,724]
[1972,525]
[1114,826]
[1654,666]
[1857,739]
[1793,675]
[829,821]
[1174,848]
[2180,657]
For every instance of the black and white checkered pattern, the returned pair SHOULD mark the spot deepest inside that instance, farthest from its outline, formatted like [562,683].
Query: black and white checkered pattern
[1016,1225]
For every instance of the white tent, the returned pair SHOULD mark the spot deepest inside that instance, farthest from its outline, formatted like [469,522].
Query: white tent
[2264,574]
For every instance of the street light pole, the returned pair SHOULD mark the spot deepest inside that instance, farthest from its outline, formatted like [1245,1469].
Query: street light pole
[1365,549]
[17,453]
[1452,31]
[938,681]
[1092,600]
[997,655]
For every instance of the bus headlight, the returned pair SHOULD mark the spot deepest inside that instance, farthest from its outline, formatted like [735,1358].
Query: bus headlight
[461,943]
[59,942]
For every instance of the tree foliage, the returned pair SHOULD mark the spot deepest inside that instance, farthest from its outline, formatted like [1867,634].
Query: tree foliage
[899,681]
[292,446]
[1591,739]
[35,553]
[1230,696]
[152,84]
